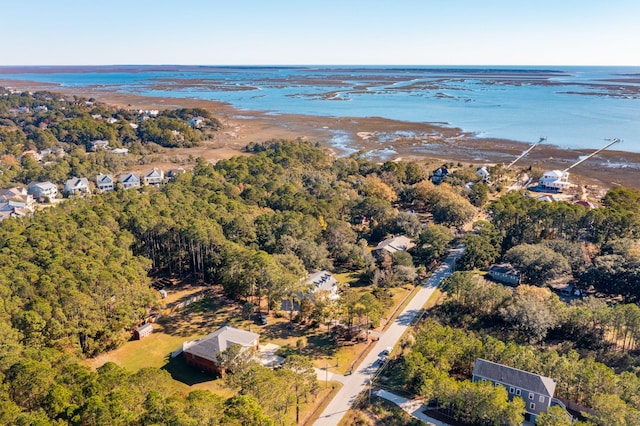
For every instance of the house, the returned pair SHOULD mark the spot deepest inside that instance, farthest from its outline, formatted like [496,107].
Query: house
[203,353]
[586,204]
[105,183]
[76,186]
[439,174]
[98,145]
[505,273]
[155,177]
[17,198]
[51,152]
[173,173]
[120,151]
[143,331]
[130,180]
[392,245]
[41,190]
[324,281]
[197,122]
[536,391]
[8,210]
[555,180]
[484,173]
[34,154]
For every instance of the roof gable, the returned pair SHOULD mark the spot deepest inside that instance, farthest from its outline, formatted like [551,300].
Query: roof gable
[512,376]
[129,178]
[104,179]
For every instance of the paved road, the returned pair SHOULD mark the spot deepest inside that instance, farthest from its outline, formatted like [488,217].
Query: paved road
[356,382]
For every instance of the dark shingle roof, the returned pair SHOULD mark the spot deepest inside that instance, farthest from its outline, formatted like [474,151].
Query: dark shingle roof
[512,376]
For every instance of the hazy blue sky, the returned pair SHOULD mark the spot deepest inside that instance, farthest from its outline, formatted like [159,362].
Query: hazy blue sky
[420,32]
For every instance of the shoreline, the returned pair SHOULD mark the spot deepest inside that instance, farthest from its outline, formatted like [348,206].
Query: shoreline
[380,139]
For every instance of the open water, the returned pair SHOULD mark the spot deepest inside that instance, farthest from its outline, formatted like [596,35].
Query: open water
[574,107]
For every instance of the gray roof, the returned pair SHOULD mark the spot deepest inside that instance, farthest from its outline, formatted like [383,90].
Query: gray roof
[144,328]
[75,182]
[104,179]
[514,377]
[394,244]
[129,177]
[505,268]
[43,185]
[218,341]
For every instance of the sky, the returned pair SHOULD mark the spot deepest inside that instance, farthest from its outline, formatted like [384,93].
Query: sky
[317,32]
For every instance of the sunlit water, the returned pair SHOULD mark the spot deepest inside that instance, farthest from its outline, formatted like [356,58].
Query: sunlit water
[573,107]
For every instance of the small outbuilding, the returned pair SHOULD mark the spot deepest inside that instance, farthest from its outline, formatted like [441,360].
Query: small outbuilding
[143,331]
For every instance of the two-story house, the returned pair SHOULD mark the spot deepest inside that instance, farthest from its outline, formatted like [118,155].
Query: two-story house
[105,183]
[76,186]
[154,178]
[42,190]
[130,180]
[536,391]
[505,273]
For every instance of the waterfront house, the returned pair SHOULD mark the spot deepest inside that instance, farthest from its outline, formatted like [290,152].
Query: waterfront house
[196,122]
[484,173]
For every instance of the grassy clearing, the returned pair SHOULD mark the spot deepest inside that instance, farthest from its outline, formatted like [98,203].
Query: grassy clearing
[208,314]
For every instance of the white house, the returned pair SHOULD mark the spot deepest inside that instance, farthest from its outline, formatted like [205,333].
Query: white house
[76,186]
[324,281]
[196,122]
[484,173]
[43,190]
[556,180]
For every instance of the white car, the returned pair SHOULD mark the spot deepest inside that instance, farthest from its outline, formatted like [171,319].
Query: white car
[387,351]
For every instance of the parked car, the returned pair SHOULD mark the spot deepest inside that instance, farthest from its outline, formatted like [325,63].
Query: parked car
[262,319]
[387,351]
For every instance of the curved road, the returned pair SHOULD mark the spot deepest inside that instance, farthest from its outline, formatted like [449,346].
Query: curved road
[355,383]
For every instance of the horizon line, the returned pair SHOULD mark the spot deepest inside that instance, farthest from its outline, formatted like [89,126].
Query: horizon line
[313,65]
